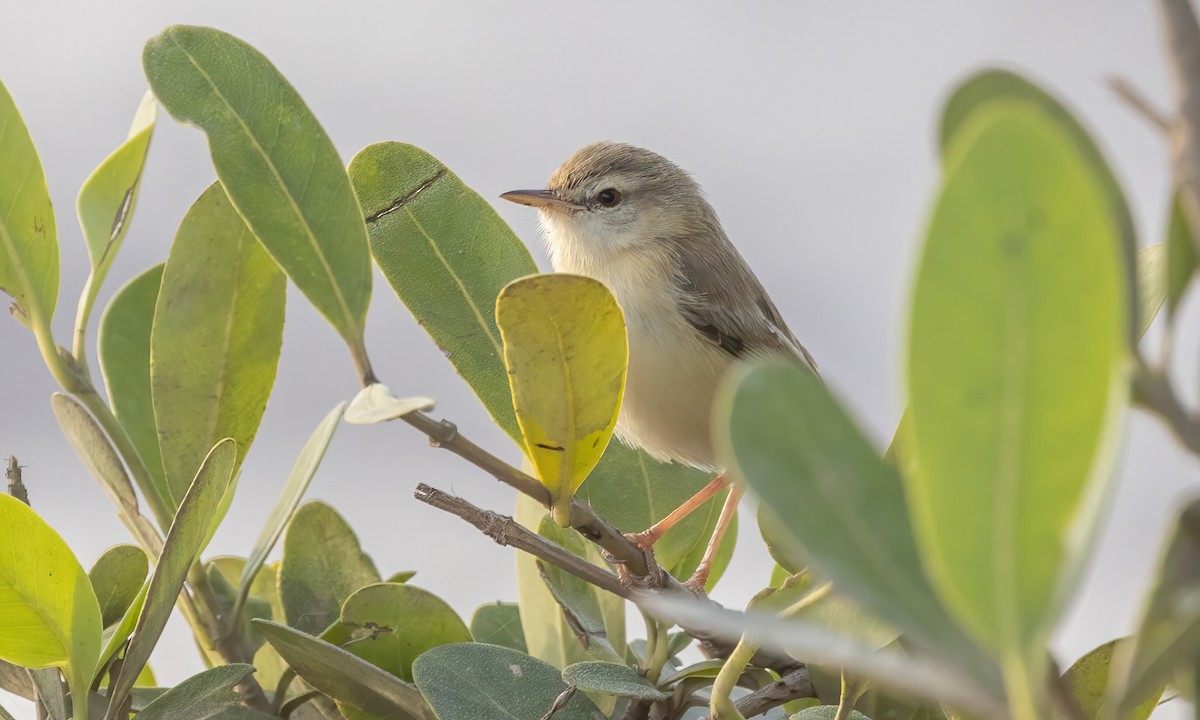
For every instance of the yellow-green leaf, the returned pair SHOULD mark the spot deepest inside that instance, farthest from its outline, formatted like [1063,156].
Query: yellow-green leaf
[28,243]
[105,207]
[566,353]
[1017,373]
[50,615]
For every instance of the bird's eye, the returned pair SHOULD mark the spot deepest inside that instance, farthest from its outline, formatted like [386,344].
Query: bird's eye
[609,197]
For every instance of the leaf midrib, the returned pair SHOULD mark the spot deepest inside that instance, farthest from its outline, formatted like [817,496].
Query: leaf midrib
[308,232]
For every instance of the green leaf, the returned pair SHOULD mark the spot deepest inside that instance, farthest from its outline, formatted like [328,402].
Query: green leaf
[612,679]
[1181,255]
[1168,637]
[50,693]
[984,91]
[207,696]
[401,577]
[1088,681]
[389,625]
[1017,376]
[499,624]
[1152,284]
[105,207]
[51,617]
[781,429]
[447,254]
[101,459]
[262,602]
[183,544]
[322,565]
[566,620]
[298,480]
[28,243]
[122,631]
[222,573]
[117,578]
[503,682]
[279,167]
[376,403]
[345,677]
[124,354]
[218,329]
[565,351]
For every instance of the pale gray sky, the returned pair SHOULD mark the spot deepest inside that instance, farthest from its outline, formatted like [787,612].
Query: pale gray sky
[810,124]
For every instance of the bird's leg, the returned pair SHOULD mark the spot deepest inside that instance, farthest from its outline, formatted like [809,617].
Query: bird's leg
[700,577]
[646,538]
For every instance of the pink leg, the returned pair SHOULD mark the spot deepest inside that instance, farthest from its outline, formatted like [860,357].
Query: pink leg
[698,579]
[646,538]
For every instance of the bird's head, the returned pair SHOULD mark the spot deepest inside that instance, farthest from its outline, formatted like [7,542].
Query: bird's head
[610,197]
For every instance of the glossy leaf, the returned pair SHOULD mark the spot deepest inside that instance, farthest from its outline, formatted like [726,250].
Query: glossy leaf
[105,206]
[298,480]
[51,617]
[218,329]
[1088,681]
[566,352]
[322,565]
[207,696]
[376,403]
[117,578]
[345,677]
[1168,637]
[390,624]
[124,354]
[611,679]
[503,682]
[28,242]
[499,624]
[1017,376]
[447,254]
[984,91]
[278,166]
[183,544]
[781,429]
[94,448]
[1181,255]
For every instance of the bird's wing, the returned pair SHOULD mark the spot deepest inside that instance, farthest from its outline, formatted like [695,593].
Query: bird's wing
[722,299]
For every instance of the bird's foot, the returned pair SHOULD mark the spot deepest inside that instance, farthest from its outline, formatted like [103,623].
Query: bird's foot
[698,579]
[644,539]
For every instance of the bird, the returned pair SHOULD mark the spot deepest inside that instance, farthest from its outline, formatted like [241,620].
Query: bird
[642,226]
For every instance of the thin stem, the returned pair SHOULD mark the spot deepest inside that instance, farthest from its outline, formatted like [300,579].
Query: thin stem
[1153,389]
[721,706]
[281,688]
[852,690]
[1022,692]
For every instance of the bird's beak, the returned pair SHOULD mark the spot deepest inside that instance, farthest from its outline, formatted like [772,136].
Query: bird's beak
[541,199]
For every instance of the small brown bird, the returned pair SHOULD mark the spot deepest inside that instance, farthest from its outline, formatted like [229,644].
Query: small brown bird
[640,224]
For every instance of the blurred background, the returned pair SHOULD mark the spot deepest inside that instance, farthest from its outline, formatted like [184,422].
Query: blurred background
[811,125]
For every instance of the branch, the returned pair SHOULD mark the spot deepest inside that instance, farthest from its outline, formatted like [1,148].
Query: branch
[791,686]
[16,488]
[444,434]
[1138,102]
[1183,56]
[1153,390]
[505,531]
